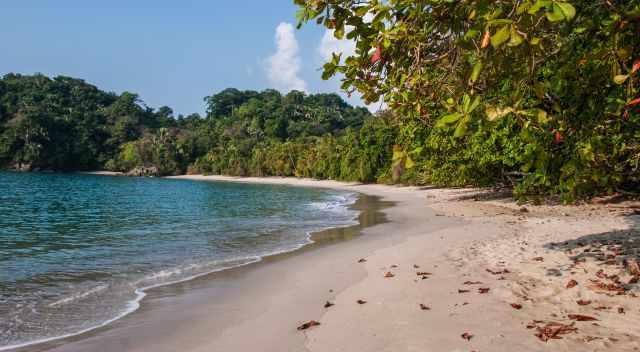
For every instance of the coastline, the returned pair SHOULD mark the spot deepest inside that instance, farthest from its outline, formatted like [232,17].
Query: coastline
[454,234]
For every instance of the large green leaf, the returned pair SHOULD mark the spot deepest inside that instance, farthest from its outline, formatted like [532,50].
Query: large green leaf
[501,36]
[475,72]
[567,9]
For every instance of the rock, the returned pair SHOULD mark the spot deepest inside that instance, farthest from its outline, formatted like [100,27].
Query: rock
[524,210]
[144,171]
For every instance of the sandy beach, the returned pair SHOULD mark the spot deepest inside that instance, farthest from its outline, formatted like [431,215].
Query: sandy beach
[445,270]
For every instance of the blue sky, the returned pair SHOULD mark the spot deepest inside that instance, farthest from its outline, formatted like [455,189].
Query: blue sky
[169,52]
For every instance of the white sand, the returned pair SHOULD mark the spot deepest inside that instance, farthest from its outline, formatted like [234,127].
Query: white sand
[489,235]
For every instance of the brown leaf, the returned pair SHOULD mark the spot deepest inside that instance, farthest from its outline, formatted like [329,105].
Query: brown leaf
[423,273]
[538,259]
[602,287]
[389,274]
[472,283]
[583,302]
[634,102]
[633,267]
[361,301]
[362,260]
[486,38]
[482,290]
[329,304]
[553,330]
[516,306]
[467,336]
[462,291]
[415,266]
[308,324]
[394,266]
[572,283]
[423,307]
[580,317]
[498,272]
[621,310]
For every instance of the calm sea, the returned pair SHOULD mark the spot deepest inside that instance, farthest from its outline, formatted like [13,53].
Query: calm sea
[78,251]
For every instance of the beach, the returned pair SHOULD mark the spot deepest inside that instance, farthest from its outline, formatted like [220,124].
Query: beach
[442,270]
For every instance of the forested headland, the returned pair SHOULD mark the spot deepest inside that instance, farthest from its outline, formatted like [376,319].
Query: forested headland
[542,96]
[66,124]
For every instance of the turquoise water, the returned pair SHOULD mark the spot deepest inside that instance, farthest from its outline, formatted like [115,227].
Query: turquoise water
[77,251]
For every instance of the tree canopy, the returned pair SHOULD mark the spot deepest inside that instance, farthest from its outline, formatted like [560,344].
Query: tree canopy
[486,89]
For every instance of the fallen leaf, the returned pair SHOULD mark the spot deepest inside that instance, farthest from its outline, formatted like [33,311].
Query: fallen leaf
[472,283]
[415,266]
[308,324]
[516,306]
[329,304]
[361,301]
[423,307]
[423,273]
[482,290]
[602,287]
[553,330]
[621,310]
[462,291]
[498,272]
[538,259]
[633,267]
[583,302]
[362,260]
[580,317]
[389,274]
[394,266]
[571,283]
[467,336]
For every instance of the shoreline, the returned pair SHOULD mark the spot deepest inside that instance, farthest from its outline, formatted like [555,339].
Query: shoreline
[480,255]
[369,209]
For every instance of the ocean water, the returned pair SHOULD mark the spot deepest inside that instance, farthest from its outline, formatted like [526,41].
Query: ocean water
[78,251]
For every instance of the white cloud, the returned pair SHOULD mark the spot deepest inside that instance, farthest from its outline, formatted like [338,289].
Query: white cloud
[329,45]
[282,68]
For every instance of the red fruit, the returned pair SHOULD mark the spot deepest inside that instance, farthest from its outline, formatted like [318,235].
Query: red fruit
[557,137]
[636,66]
[377,56]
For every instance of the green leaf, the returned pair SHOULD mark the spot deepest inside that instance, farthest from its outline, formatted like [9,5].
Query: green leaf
[449,119]
[475,72]
[408,163]
[556,15]
[538,5]
[500,37]
[567,9]
[516,38]
[473,106]
[620,79]
[461,129]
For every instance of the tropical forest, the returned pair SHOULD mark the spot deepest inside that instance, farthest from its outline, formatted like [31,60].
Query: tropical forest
[541,97]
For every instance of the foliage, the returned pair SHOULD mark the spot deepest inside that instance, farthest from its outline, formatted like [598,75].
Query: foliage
[547,88]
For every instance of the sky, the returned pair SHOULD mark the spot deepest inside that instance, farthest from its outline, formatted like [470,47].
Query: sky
[171,53]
